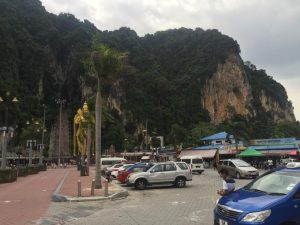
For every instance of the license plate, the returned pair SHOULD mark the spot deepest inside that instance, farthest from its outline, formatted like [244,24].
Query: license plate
[222,222]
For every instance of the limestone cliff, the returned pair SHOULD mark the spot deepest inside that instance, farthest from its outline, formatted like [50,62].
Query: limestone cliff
[277,112]
[228,92]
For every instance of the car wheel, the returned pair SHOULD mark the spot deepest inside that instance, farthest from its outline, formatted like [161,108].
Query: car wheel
[140,184]
[238,175]
[180,182]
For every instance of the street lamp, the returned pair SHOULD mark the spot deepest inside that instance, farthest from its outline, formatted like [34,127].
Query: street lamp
[5,130]
[33,143]
[60,102]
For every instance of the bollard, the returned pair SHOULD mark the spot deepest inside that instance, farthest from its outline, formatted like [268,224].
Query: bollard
[93,188]
[105,188]
[79,188]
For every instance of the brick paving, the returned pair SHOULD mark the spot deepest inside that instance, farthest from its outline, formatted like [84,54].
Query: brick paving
[28,199]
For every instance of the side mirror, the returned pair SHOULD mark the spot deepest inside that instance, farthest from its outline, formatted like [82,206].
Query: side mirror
[151,171]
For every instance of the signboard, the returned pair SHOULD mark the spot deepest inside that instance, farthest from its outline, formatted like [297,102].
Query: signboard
[273,141]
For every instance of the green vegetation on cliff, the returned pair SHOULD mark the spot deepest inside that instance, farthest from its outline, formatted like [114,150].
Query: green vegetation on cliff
[41,57]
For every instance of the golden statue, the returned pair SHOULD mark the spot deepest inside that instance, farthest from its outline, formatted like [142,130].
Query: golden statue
[81,125]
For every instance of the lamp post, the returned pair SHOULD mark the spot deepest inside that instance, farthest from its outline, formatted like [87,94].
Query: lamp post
[5,130]
[146,132]
[32,143]
[43,136]
[60,102]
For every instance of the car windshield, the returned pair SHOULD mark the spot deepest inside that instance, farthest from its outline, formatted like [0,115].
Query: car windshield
[240,163]
[276,183]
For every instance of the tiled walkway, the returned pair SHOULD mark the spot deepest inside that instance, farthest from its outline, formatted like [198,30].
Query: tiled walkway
[28,199]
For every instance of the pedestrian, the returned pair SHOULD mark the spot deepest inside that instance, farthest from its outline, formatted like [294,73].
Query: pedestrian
[215,164]
[228,183]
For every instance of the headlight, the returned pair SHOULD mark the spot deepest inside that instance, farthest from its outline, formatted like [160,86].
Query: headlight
[257,216]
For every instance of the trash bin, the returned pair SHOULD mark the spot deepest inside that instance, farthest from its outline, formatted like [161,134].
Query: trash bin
[83,171]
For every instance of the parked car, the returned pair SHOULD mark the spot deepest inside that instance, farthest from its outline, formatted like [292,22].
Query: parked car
[195,162]
[271,199]
[115,172]
[167,173]
[108,162]
[122,175]
[114,167]
[288,160]
[238,168]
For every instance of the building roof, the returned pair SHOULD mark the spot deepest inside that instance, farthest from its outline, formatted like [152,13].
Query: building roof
[218,136]
[208,147]
[286,147]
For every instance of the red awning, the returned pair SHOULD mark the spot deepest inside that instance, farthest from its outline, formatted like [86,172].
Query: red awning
[293,153]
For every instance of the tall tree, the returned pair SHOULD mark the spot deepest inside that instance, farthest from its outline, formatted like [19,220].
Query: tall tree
[106,63]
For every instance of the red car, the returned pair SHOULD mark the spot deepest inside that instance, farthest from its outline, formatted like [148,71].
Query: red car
[122,175]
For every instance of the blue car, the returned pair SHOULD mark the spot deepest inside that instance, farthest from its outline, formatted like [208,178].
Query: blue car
[271,199]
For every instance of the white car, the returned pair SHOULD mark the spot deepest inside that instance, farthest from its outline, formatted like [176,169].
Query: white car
[115,171]
[114,167]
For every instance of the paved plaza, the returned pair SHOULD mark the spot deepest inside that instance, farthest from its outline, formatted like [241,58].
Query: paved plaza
[154,206]
[28,199]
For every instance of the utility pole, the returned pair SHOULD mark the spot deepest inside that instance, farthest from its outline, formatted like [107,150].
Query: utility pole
[146,135]
[43,135]
[60,102]
[30,143]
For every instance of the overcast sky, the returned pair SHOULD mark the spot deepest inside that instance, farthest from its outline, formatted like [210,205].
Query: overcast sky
[267,30]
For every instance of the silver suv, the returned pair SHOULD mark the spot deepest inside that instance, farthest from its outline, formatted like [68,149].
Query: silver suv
[174,173]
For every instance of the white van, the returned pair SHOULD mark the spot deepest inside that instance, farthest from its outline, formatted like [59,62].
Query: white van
[107,162]
[195,162]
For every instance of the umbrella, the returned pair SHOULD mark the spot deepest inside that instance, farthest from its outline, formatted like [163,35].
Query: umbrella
[250,152]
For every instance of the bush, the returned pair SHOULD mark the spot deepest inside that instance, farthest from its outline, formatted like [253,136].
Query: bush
[8,175]
[42,167]
[33,169]
[23,171]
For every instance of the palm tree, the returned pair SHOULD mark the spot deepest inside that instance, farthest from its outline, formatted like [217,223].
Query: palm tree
[106,63]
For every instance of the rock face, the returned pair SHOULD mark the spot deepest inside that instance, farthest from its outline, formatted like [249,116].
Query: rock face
[277,112]
[228,92]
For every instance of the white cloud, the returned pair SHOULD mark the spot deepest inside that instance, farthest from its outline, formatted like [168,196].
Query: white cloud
[266,30]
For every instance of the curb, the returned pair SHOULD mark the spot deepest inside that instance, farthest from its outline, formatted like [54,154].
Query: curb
[56,197]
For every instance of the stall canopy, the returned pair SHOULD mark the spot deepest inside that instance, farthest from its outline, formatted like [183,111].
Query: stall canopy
[250,152]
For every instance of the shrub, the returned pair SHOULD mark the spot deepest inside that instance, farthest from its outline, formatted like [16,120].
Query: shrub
[8,175]
[23,171]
